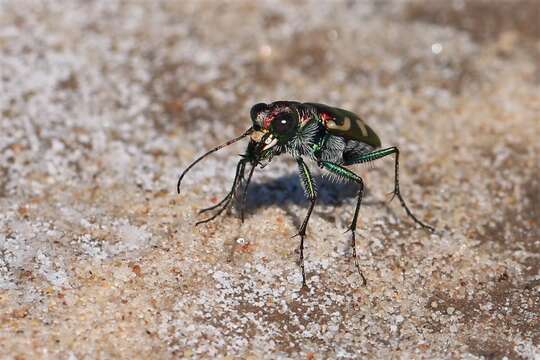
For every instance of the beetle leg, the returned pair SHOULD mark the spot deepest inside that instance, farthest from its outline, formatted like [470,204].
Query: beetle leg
[377,154]
[349,175]
[226,201]
[244,192]
[311,193]
[239,169]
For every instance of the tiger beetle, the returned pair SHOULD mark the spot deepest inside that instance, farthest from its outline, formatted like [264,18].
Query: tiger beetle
[331,137]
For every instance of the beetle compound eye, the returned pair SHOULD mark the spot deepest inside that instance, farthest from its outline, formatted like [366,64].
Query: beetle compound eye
[284,124]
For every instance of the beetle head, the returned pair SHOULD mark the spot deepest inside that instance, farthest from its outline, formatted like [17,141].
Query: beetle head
[276,123]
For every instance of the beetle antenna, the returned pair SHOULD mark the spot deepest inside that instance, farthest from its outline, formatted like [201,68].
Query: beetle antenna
[246,133]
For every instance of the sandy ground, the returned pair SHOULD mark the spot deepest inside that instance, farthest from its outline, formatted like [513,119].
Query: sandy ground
[103,103]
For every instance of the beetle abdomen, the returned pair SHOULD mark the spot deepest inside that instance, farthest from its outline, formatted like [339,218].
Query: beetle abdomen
[354,149]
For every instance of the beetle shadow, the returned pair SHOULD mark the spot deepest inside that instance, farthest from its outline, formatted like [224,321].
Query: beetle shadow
[287,190]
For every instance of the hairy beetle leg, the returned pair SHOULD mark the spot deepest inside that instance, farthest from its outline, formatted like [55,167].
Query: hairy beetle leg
[377,154]
[302,234]
[311,193]
[349,175]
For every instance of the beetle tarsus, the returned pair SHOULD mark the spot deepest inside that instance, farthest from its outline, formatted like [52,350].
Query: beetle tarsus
[355,258]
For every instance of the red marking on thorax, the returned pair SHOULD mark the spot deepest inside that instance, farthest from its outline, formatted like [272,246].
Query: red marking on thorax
[325,117]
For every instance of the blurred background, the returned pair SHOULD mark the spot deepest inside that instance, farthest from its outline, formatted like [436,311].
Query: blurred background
[103,103]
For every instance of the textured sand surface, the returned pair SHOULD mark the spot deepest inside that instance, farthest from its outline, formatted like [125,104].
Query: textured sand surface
[103,103]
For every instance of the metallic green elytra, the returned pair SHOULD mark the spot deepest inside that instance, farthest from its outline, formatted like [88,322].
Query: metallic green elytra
[333,138]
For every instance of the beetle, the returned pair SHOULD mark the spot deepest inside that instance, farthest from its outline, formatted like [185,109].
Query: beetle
[331,137]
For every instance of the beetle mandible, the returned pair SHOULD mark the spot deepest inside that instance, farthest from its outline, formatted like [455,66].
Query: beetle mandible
[331,137]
